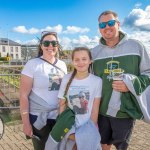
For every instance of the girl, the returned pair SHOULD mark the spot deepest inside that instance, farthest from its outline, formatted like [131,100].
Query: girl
[81,92]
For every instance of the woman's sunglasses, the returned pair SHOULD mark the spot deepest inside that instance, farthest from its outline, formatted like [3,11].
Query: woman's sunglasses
[48,32]
[110,23]
[47,43]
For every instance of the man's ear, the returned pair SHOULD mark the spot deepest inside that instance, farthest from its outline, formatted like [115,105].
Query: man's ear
[118,24]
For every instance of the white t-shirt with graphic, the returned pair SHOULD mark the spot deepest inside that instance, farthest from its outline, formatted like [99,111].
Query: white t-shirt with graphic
[80,95]
[46,80]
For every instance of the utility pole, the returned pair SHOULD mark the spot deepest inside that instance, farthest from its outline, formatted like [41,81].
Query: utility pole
[8,44]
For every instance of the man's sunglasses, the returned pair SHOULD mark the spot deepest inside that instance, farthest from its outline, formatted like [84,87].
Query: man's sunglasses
[47,43]
[110,23]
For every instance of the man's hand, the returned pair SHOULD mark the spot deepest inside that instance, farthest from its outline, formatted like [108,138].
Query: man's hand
[119,86]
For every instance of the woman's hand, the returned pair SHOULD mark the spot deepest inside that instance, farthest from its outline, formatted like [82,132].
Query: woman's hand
[25,89]
[27,129]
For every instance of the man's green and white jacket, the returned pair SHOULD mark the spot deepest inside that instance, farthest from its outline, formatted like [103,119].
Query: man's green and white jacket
[130,60]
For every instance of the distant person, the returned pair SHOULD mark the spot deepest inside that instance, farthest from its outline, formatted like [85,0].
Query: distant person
[124,66]
[72,90]
[38,104]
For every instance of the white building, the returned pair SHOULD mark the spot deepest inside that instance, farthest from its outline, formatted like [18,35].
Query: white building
[11,48]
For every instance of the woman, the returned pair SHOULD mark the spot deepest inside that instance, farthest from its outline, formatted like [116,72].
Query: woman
[38,103]
[75,86]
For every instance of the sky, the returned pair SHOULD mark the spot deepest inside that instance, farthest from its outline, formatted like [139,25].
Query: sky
[75,21]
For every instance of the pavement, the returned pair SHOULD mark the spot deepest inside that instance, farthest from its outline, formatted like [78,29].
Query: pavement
[14,139]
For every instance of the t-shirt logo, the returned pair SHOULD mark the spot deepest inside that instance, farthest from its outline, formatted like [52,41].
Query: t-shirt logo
[113,69]
[78,99]
[54,80]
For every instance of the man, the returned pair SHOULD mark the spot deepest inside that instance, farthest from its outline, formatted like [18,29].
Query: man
[114,59]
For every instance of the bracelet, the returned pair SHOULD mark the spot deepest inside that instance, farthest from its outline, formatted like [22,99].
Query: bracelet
[24,112]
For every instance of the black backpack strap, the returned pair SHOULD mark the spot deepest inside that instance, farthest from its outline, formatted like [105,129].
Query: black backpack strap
[53,65]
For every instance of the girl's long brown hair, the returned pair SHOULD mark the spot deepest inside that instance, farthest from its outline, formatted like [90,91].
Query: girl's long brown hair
[77,49]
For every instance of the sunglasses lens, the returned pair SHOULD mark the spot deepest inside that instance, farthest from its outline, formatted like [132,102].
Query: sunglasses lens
[102,25]
[54,43]
[111,23]
[47,43]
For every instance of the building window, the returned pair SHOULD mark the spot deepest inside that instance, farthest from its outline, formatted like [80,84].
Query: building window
[17,56]
[16,49]
[11,49]
[12,56]
[3,49]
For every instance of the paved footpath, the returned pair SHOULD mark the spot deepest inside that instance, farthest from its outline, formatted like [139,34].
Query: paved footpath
[14,139]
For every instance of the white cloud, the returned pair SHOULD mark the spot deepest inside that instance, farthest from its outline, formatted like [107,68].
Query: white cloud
[69,44]
[139,19]
[137,5]
[84,40]
[57,28]
[33,31]
[18,41]
[65,42]
[95,40]
[137,25]
[143,37]
[21,29]
[29,42]
[74,29]
[32,42]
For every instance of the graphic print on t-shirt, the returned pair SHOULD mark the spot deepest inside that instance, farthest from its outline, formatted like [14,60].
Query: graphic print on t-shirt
[54,80]
[78,99]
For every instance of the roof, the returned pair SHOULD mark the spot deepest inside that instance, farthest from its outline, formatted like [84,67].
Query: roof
[6,41]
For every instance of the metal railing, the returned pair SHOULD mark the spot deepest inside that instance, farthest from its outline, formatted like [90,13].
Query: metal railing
[9,86]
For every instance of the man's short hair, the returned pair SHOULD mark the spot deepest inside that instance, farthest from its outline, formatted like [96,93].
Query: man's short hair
[108,12]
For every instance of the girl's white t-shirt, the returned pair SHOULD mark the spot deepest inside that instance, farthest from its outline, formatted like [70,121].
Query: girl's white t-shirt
[46,80]
[80,96]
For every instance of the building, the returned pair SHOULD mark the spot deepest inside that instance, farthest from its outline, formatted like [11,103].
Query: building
[10,48]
